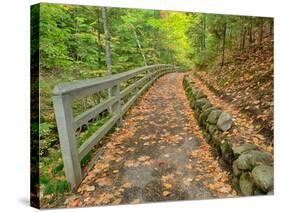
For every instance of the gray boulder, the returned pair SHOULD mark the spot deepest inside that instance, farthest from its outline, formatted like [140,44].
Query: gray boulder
[214,116]
[252,158]
[246,184]
[225,121]
[204,115]
[263,177]
[243,148]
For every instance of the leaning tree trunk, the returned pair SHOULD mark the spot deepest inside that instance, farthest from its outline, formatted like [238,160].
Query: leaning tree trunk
[140,48]
[223,44]
[107,41]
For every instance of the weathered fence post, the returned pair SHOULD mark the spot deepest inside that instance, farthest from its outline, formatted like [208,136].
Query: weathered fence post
[64,119]
[116,107]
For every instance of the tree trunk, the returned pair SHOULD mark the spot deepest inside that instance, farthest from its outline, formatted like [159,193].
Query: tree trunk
[271,26]
[139,45]
[99,39]
[261,32]
[107,41]
[223,44]
[230,36]
[251,31]
[204,31]
[156,45]
[170,57]
[241,37]
[107,48]
[244,37]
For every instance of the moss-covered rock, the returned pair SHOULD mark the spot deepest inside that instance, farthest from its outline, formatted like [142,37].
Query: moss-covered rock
[214,116]
[200,95]
[206,106]
[243,148]
[212,128]
[226,151]
[199,103]
[263,177]
[216,140]
[258,192]
[192,103]
[236,171]
[235,183]
[246,184]
[248,160]
[207,136]
[194,91]
[204,115]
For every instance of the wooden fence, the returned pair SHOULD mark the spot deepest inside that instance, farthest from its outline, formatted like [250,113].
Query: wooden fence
[65,94]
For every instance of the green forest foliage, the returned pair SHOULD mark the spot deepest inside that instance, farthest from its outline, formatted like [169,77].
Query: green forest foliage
[72,37]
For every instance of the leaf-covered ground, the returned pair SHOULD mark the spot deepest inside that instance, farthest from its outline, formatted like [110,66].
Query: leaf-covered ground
[246,81]
[158,154]
[244,128]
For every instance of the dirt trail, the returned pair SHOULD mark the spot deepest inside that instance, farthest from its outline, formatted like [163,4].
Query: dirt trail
[158,154]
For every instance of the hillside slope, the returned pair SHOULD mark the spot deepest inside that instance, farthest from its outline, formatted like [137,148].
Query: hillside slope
[246,80]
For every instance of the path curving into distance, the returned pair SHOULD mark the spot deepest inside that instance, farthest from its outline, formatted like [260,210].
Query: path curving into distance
[159,154]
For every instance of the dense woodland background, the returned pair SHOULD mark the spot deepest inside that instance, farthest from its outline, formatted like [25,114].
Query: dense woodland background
[230,50]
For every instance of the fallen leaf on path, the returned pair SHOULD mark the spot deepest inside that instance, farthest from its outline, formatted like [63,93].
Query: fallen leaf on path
[166,193]
[105,181]
[167,185]
[101,166]
[131,163]
[187,181]
[74,203]
[117,201]
[143,158]
[127,185]
[189,166]
[135,201]
[104,198]
[167,177]
[90,188]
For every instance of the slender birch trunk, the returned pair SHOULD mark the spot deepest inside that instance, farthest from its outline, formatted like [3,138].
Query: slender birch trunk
[140,47]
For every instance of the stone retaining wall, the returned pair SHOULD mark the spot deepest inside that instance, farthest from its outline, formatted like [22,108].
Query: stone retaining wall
[252,169]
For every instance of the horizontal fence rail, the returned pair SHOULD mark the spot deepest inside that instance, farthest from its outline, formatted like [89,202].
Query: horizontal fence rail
[67,124]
